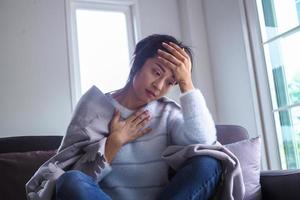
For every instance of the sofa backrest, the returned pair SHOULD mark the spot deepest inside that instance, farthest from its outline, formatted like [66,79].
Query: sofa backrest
[29,143]
[227,134]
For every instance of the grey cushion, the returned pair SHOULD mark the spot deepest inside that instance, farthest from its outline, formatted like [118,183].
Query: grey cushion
[248,153]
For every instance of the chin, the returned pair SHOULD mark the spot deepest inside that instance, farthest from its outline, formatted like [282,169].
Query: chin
[147,100]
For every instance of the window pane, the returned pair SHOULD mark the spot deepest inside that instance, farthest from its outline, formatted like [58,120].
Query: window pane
[279,16]
[103,49]
[288,132]
[283,62]
[298,10]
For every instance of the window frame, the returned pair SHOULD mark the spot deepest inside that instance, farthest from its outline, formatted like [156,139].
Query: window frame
[128,7]
[258,68]
[260,85]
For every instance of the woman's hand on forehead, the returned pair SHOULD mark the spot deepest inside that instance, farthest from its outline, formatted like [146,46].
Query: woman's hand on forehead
[179,62]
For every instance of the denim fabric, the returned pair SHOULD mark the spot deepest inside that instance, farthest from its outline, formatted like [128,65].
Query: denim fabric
[75,185]
[197,179]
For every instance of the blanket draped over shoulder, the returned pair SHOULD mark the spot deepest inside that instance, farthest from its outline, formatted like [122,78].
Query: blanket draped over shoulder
[86,132]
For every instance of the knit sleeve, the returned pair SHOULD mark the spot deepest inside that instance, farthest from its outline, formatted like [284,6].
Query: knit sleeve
[192,123]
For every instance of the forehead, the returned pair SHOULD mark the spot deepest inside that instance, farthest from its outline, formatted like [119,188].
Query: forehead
[154,62]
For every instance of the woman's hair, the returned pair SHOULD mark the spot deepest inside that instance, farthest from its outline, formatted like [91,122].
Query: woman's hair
[147,48]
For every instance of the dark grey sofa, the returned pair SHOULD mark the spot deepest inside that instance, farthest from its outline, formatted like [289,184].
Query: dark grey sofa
[276,185]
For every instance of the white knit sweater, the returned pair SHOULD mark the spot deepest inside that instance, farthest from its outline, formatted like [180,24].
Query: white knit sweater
[138,171]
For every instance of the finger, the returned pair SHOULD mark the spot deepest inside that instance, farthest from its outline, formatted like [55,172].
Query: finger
[167,63]
[135,115]
[143,132]
[140,133]
[181,50]
[143,123]
[116,116]
[174,51]
[144,116]
[169,57]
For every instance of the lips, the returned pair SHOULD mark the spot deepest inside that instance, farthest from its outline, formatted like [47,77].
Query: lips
[150,93]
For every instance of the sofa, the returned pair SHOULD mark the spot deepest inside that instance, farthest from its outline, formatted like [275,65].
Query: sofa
[21,156]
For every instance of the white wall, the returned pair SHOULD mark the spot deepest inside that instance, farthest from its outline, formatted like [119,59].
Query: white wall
[34,84]
[34,76]
[193,32]
[234,86]
[234,100]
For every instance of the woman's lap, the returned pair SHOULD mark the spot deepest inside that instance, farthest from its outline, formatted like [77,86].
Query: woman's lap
[197,179]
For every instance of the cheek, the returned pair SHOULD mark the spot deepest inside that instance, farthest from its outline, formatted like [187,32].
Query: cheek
[165,91]
[144,79]
[138,82]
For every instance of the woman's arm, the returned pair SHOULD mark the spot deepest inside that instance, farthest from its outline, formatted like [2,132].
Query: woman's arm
[192,123]
[112,147]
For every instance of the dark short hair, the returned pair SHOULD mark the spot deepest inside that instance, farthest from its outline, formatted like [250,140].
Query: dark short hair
[147,48]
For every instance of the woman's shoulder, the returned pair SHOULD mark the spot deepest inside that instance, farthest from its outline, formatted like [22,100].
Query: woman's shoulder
[91,104]
[93,99]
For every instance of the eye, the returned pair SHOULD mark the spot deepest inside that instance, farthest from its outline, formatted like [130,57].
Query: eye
[156,72]
[170,83]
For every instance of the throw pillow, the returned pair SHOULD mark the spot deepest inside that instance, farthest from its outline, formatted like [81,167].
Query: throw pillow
[248,153]
[16,169]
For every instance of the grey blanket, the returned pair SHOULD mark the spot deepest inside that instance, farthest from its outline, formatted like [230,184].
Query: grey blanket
[86,132]
[232,185]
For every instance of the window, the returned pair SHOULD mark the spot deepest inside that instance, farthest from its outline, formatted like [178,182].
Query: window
[102,42]
[280,33]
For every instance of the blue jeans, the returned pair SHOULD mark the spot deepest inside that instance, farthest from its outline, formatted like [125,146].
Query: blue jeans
[196,179]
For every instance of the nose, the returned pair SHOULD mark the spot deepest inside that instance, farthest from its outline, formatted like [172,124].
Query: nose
[159,84]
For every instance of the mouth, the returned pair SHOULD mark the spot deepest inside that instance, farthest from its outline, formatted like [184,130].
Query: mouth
[150,93]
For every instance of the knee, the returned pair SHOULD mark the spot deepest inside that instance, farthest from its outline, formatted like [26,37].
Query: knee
[72,175]
[69,179]
[204,165]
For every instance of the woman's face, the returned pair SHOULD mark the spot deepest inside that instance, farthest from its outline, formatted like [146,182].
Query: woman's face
[152,81]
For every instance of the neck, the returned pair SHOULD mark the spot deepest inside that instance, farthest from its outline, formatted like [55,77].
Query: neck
[127,97]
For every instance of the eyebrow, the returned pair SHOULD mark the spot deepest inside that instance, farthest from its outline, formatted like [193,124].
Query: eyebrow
[159,65]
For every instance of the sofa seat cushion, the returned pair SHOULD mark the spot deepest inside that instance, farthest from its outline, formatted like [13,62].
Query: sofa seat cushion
[16,169]
[248,153]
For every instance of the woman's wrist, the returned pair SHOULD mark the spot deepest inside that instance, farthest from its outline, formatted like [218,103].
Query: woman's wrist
[112,147]
[186,86]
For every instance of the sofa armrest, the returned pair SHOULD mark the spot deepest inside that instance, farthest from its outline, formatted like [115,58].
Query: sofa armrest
[280,184]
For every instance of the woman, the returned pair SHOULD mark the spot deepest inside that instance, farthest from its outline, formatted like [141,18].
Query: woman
[143,125]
